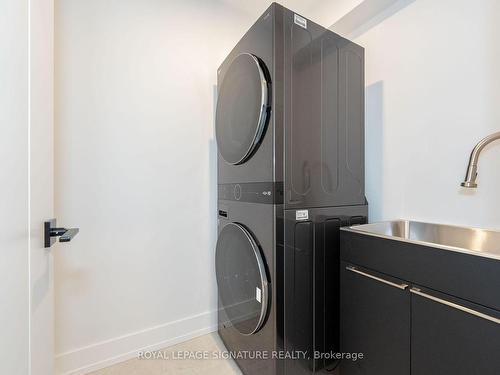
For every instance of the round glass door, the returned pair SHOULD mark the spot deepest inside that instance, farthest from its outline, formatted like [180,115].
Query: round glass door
[241,279]
[242,109]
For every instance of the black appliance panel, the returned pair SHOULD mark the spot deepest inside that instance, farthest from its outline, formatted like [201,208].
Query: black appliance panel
[258,220]
[323,117]
[311,288]
[255,192]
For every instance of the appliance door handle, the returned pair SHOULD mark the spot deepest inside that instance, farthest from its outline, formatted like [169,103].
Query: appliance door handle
[467,310]
[387,282]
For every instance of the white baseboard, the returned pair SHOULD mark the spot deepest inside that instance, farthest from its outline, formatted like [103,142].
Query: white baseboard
[118,349]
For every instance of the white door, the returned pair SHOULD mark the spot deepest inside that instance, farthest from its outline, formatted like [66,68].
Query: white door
[26,186]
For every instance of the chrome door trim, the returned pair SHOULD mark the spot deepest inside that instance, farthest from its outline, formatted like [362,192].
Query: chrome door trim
[395,285]
[467,310]
[263,110]
[263,278]
[263,114]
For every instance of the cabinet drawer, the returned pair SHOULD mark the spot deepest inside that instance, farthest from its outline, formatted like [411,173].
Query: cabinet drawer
[470,277]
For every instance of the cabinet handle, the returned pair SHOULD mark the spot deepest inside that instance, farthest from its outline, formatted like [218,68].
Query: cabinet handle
[455,306]
[399,286]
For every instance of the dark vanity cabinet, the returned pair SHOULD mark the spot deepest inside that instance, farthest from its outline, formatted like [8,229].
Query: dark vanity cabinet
[404,312]
[452,336]
[375,321]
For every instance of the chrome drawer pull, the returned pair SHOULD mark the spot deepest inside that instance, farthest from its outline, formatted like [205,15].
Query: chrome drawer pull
[399,286]
[455,306]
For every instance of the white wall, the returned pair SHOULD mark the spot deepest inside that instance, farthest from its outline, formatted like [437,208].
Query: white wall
[433,88]
[327,12]
[135,170]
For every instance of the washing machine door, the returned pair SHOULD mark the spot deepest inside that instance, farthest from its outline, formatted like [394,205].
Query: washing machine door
[241,279]
[242,109]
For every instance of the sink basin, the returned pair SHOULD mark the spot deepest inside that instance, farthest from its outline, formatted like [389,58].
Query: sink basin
[463,239]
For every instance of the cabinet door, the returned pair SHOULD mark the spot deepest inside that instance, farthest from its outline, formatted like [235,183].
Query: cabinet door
[452,336]
[375,321]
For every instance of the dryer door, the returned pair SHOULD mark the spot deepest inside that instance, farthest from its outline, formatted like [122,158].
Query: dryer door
[241,279]
[242,109]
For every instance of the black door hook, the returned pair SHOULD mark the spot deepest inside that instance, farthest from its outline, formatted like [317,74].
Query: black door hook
[65,235]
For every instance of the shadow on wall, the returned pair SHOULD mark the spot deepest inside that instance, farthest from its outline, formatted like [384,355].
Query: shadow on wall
[212,205]
[368,14]
[374,143]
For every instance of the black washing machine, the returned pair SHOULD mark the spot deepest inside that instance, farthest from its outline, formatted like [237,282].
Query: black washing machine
[290,136]
[245,278]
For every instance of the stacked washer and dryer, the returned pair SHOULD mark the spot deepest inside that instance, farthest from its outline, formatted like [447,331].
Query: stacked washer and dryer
[290,136]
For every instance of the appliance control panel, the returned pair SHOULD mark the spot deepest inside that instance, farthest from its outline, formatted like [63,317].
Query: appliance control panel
[253,192]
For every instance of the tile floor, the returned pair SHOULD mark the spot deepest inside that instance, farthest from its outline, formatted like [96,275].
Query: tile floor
[161,366]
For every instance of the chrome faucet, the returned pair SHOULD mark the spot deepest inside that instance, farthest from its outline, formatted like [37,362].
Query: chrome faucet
[470,177]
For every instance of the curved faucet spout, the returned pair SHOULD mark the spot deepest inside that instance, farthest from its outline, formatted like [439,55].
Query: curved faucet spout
[470,177]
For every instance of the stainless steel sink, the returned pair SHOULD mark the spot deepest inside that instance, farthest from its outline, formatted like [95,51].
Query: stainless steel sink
[474,241]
